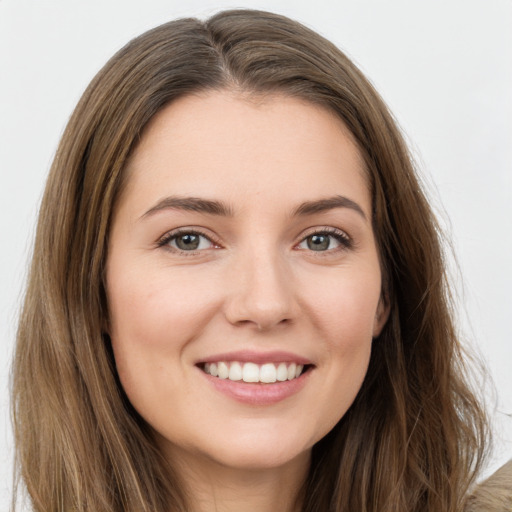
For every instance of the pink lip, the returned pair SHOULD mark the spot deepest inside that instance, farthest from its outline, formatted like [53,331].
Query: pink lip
[249,356]
[257,393]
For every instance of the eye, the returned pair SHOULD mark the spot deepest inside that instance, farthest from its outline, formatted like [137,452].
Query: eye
[325,240]
[186,241]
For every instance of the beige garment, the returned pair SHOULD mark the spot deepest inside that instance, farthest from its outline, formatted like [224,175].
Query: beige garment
[494,494]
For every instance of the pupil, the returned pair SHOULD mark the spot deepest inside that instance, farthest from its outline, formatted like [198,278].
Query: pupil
[188,242]
[318,242]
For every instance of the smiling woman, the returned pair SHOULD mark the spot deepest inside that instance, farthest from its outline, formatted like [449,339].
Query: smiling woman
[251,297]
[238,299]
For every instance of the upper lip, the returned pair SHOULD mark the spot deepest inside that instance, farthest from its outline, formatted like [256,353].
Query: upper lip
[249,356]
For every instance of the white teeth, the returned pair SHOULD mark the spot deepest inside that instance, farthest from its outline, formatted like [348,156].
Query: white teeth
[251,372]
[282,372]
[268,373]
[223,370]
[235,371]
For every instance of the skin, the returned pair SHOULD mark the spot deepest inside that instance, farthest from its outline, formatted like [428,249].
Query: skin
[253,284]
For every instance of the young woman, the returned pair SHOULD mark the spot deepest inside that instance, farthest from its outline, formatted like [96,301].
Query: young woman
[238,298]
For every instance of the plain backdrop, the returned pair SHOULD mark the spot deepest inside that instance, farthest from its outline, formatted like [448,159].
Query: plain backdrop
[443,66]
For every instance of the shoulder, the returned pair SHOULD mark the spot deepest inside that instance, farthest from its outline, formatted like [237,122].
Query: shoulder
[493,494]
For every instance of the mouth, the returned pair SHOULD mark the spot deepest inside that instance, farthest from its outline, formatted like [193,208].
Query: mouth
[255,378]
[255,373]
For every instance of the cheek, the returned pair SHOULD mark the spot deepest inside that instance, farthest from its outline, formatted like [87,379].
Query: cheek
[152,319]
[157,311]
[345,317]
[346,309]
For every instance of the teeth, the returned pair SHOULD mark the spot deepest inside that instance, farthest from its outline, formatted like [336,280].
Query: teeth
[282,372]
[235,371]
[222,370]
[268,373]
[251,372]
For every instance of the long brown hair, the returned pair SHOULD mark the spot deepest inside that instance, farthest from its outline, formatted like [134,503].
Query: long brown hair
[415,435]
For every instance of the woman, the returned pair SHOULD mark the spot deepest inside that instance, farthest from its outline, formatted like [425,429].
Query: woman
[238,298]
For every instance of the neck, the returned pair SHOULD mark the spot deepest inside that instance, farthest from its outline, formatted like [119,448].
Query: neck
[213,487]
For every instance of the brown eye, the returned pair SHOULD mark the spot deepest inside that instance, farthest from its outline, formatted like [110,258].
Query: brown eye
[324,241]
[187,241]
[318,242]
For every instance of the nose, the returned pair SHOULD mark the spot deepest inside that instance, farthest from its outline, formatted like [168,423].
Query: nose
[261,292]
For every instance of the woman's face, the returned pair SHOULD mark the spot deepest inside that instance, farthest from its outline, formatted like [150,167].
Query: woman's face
[242,251]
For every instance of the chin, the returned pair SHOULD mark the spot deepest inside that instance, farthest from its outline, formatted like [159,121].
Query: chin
[250,450]
[254,458]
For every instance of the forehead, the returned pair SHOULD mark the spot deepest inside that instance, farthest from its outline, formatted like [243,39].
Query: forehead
[221,142]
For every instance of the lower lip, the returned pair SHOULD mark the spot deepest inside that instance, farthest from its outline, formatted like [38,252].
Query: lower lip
[258,393]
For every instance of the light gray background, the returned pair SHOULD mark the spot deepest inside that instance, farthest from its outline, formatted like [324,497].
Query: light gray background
[443,66]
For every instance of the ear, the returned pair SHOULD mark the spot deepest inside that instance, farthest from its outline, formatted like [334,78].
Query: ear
[381,315]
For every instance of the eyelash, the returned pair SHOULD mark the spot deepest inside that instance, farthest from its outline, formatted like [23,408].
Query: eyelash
[340,236]
[168,237]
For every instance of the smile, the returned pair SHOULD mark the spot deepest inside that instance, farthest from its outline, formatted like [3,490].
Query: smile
[250,372]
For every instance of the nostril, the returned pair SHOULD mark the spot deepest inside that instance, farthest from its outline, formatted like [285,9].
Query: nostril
[263,326]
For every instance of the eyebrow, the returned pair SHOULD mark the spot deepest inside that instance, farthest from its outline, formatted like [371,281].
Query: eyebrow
[322,205]
[193,204]
[213,207]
